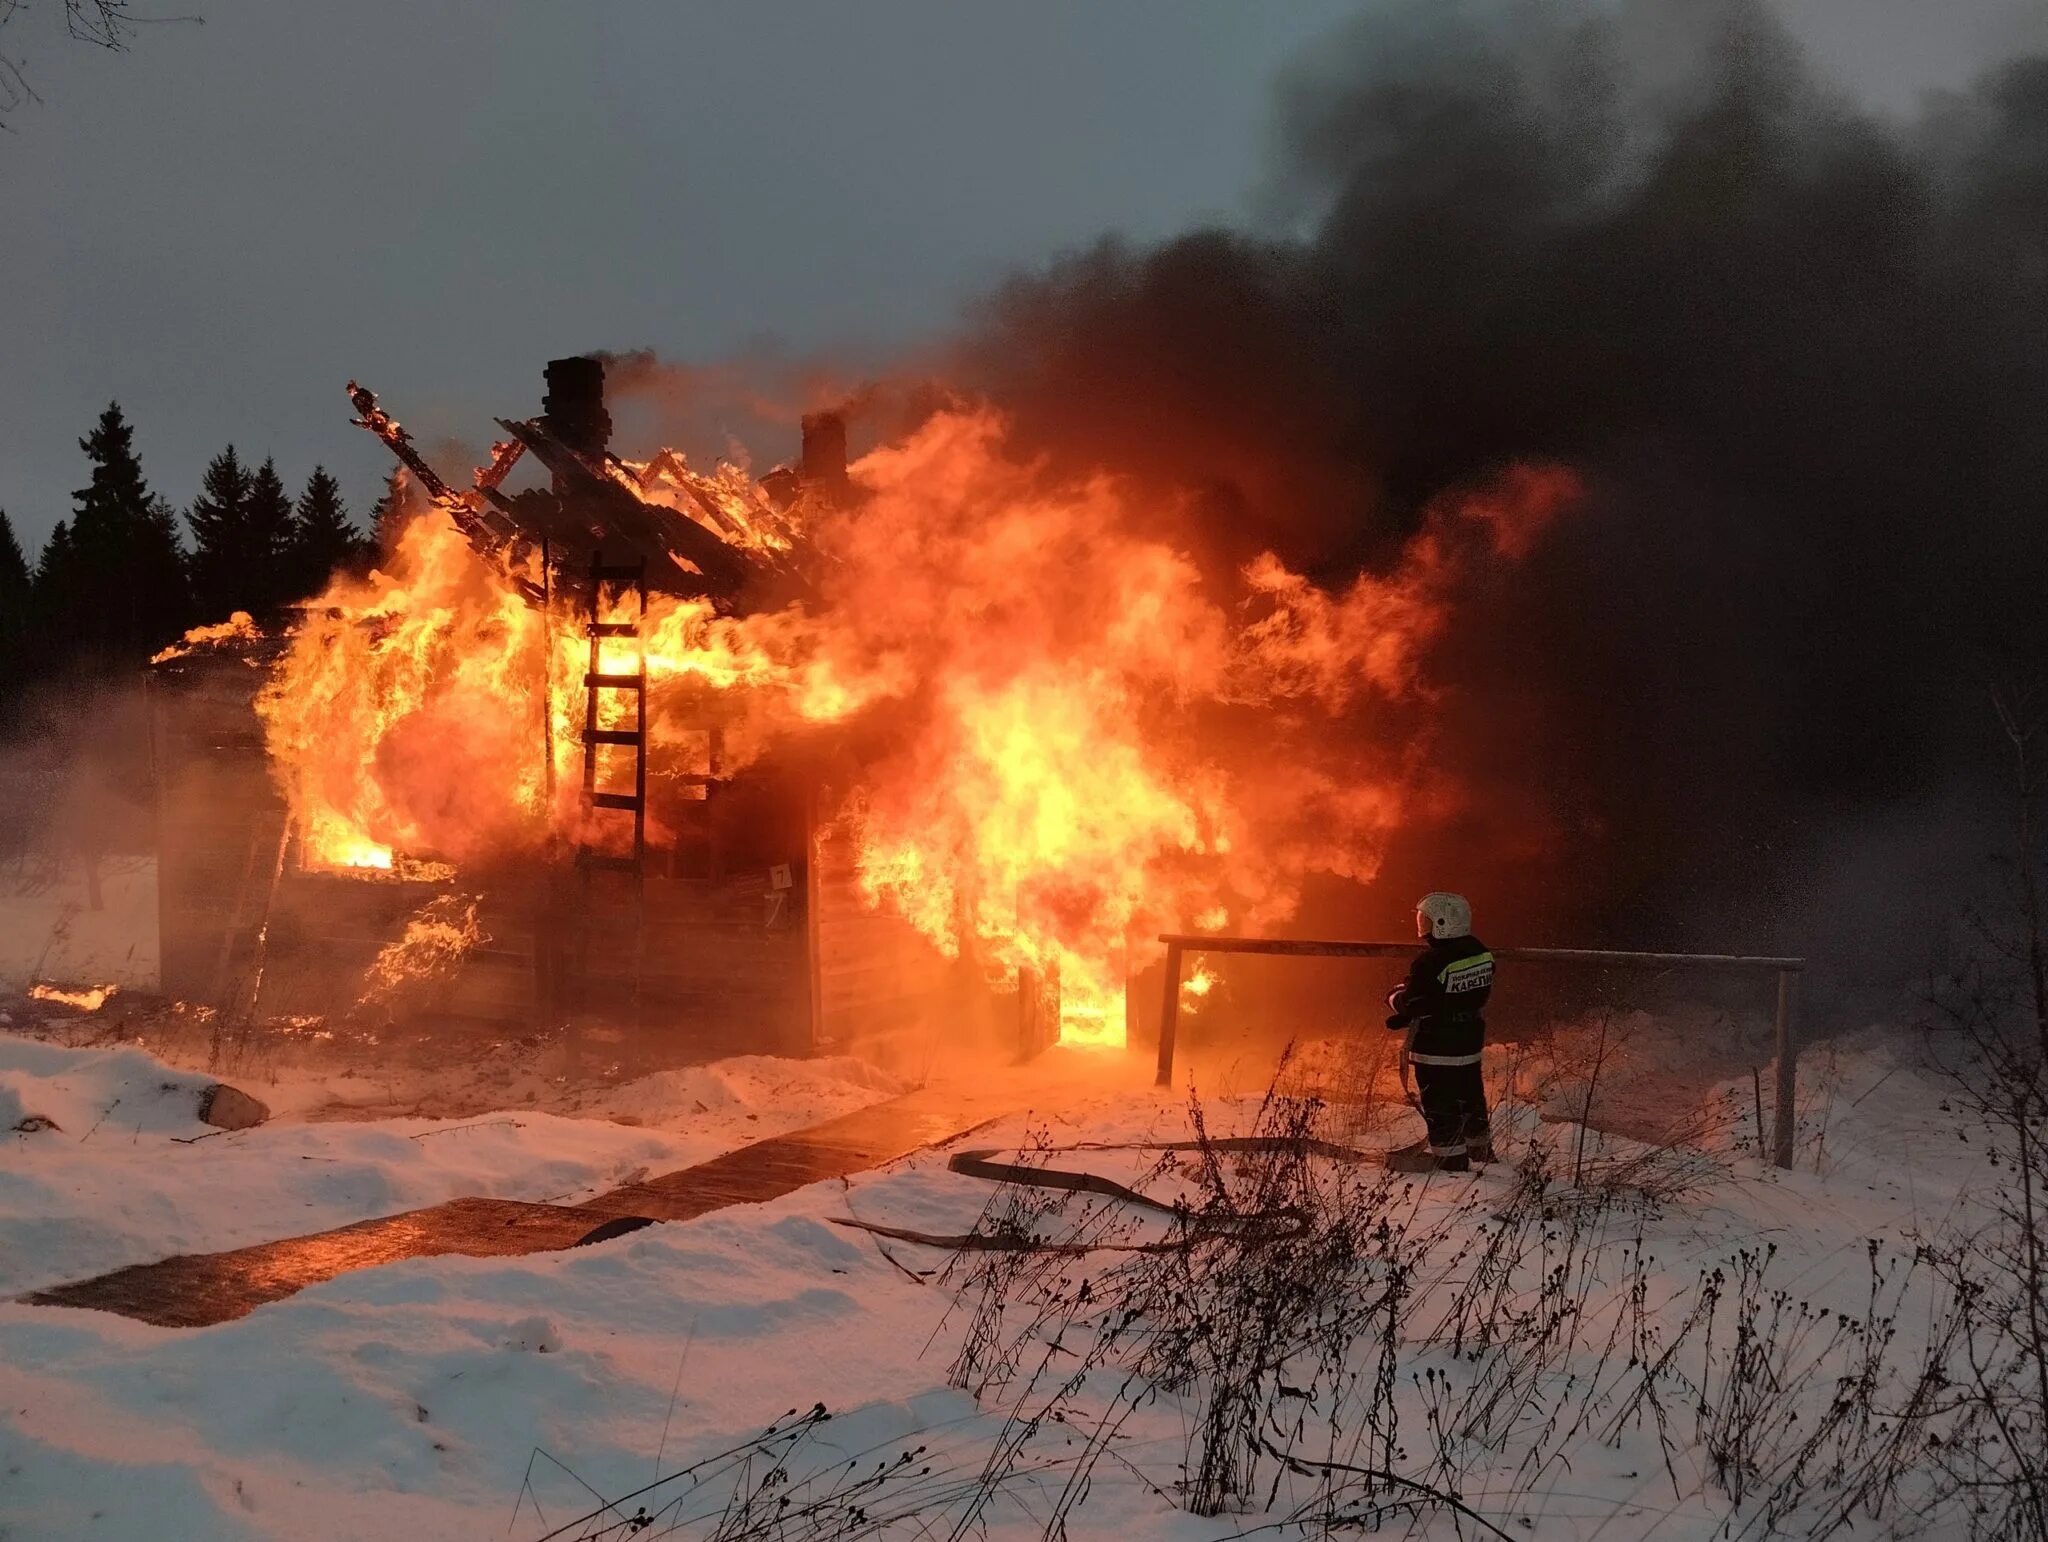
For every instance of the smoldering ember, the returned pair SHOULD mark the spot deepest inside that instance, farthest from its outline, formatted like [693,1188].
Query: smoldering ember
[833,885]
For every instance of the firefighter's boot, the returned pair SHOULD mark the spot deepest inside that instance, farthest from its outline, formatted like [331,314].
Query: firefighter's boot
[1418,1158]
[1479,1147]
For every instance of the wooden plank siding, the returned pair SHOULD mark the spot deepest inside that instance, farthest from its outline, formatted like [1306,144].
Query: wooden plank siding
[219,819]
[882,991]
[731,963]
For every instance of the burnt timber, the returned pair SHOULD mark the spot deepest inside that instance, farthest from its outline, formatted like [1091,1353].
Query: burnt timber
[588,516]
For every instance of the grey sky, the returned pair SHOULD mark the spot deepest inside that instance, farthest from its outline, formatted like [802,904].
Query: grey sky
[222,226]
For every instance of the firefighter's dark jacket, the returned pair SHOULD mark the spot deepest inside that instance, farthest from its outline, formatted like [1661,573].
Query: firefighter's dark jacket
[1444,1001]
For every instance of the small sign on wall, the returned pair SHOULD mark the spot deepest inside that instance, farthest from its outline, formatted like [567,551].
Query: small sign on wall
[780,881]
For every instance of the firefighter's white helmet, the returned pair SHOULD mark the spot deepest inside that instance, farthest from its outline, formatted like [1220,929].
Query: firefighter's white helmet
[1443,915]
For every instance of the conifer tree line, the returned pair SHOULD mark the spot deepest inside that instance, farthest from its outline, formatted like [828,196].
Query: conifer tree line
[123,575]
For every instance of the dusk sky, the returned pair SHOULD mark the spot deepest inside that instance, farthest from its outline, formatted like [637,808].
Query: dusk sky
[221,226]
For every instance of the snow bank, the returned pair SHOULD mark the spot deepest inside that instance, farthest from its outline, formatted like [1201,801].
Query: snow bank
[78,1089]
[800,1091]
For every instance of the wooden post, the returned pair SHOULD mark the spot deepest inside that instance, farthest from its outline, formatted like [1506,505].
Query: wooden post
[547,687]
[814,888]
[547,919]
[1052,1007]
[1030,1009]
[1169,1013]
[1131,1002]
[1787,1076]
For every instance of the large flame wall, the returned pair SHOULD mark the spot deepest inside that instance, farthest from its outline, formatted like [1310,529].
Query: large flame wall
[1078,737]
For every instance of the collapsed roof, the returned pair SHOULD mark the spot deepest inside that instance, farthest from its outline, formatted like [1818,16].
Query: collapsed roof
[713,536]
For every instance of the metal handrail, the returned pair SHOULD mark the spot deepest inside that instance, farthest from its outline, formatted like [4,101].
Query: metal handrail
[1206,942]
[1787,971]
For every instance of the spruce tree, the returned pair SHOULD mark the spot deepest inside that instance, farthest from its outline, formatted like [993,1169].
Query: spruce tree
[219,521]
[54,596]
[111,589]
[54,566]
[156,569]
[324,538]
[14,574]
[55,579]
[269,584]
[14,601]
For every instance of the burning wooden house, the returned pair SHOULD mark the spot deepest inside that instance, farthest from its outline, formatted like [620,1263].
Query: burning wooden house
[619,869]
[943,740]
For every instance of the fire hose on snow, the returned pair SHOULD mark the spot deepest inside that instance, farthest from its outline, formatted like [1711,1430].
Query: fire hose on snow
[1274,1225]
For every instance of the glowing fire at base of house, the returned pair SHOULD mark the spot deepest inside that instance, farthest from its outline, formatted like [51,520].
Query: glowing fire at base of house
[90,1000]
[327,846]
[1072,737]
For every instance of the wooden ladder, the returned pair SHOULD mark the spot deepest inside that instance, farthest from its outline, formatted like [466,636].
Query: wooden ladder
[629,581]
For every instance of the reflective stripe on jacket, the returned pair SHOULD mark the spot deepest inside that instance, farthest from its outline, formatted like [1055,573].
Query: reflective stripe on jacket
[1443,1002]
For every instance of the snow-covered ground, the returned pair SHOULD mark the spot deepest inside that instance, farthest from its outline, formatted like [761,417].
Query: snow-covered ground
[459,1397]
[119,1169]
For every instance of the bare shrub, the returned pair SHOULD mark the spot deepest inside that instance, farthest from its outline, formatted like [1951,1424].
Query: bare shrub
[1256,1330]
[787,1484]
[1994,1006]
[1016,1292]
[1345,1350]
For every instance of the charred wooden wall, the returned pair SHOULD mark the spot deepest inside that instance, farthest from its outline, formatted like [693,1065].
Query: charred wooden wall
[219,821]
[723,971]
[725,967]
[881,990]
[757,938]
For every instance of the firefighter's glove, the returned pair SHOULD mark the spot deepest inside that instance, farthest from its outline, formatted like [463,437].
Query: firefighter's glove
[1397,1022]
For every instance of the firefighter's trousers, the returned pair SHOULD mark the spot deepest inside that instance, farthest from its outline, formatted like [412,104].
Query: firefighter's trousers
[1453,1099]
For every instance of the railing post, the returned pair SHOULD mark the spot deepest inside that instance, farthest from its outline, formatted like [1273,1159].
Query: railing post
[1169,1014]
[1787,1074]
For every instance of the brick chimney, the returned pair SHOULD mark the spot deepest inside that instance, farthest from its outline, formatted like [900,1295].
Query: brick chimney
[573,409]
[823,463]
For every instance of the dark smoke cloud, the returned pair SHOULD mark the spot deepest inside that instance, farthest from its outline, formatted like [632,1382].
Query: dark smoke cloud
[1801,356]
[755,401]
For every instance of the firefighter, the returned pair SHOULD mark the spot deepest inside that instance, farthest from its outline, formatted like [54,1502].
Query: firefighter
[1442,1005]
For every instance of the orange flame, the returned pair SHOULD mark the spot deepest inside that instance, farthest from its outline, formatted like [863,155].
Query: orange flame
[1088,741]
[436,938]
[90,1000]
[239,626]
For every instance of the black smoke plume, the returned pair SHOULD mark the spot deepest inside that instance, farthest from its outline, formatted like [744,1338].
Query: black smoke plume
[1800,354]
